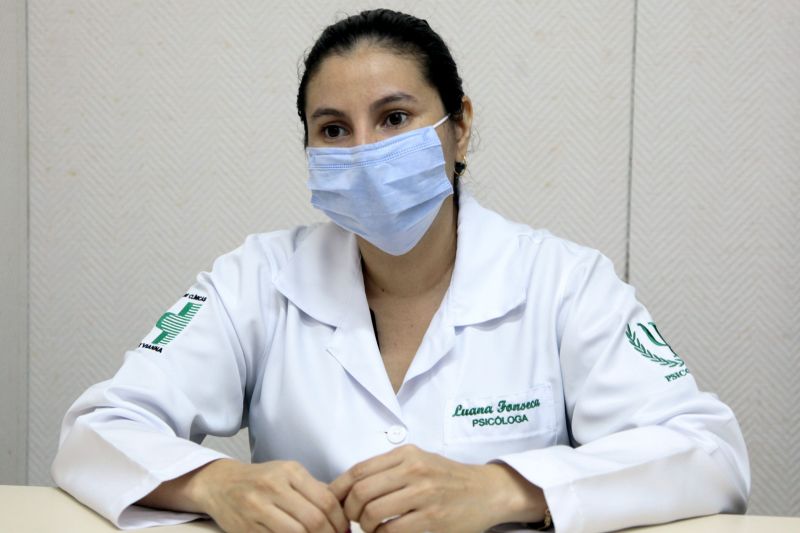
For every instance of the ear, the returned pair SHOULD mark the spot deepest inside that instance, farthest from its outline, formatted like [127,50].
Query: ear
[463,128]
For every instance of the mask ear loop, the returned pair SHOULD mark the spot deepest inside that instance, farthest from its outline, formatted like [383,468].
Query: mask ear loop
[441,121]
[460,166]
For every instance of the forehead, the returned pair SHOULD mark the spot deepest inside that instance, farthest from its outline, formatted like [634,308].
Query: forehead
[364,74]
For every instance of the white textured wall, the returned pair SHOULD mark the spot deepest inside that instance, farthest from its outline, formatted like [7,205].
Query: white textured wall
[164,132]
[715,226]
[13,244]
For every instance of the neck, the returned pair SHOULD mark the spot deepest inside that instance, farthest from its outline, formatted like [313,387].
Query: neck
[427,266]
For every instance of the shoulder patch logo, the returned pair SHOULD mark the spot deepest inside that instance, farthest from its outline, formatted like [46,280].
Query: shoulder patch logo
[172,324]
[656,339]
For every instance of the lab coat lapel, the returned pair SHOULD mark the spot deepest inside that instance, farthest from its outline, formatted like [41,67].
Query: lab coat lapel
[323,279]
[487,280]
[437,342]
[356,349]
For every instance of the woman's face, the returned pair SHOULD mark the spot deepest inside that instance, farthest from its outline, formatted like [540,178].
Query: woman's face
[370,94]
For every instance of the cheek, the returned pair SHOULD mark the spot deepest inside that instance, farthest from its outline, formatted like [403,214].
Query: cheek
[449,164]
[450,150]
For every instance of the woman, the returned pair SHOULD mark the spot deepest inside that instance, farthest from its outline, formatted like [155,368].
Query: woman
[419,364]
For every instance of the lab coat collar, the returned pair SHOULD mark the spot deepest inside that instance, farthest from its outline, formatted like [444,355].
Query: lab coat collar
[323,277]
[324,280]
[488,280]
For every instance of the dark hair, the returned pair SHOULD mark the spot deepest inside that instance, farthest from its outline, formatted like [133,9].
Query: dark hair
[399,32]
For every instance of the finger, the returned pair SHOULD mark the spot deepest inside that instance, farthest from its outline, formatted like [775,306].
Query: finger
[392,505]
[369,489]
[320,496]
[276,519]
[305,512]
[342,484]
[263,528]
[412,521]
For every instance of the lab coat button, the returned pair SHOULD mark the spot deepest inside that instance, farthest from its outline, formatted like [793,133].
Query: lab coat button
[396,434]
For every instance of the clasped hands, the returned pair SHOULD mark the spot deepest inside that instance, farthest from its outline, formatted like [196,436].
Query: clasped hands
[408,490]
[404,490]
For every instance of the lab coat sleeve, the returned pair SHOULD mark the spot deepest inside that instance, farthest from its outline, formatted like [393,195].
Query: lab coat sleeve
[125,436]
[649,447]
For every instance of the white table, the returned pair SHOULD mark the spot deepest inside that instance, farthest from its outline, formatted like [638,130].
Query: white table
[48,509]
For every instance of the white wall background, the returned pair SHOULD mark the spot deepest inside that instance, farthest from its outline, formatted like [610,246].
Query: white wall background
[665,134]
[715,212]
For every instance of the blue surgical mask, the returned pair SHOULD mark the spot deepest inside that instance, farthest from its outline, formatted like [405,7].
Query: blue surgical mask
[388,192]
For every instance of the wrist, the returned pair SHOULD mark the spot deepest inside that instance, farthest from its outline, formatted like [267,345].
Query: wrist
[513,498]
[201,484]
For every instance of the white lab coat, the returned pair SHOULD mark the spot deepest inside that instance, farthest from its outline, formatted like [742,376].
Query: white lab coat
[528,360]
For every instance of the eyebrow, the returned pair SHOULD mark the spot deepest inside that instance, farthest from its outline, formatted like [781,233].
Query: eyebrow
[391,98]
[377,104]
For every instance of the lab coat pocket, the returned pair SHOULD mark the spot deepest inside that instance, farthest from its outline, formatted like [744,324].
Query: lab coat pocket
[502,417]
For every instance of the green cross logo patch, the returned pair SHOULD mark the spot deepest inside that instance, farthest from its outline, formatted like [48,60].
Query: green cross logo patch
[171,324]
[656,339]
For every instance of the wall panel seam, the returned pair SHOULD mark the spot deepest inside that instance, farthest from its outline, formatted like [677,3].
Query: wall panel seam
[627,273]
[14,243]
[26,335]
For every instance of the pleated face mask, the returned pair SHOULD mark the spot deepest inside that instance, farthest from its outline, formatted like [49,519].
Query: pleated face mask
[388,192]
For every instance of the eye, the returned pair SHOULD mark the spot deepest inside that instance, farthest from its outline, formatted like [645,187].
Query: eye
[396,119]
[333,132]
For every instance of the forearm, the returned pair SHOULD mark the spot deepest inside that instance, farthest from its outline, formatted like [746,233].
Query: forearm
[186,493]
[661,474]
